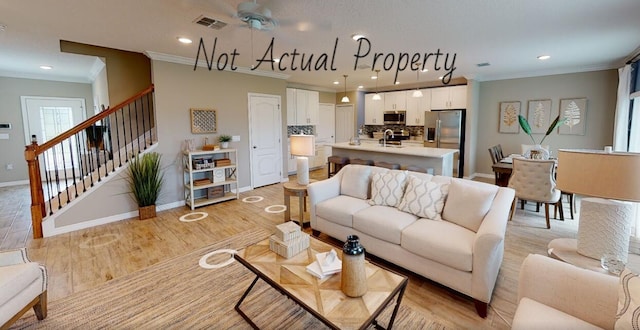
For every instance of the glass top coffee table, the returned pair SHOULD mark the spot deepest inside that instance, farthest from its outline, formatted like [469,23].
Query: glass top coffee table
[322,297]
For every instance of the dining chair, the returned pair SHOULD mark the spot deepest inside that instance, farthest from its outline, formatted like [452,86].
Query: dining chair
[534,180]
[493,152]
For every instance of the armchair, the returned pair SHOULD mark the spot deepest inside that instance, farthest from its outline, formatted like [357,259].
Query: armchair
[23,285]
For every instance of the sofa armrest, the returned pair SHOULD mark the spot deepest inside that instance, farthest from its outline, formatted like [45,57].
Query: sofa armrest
[320,191]
[488,246]
[582,293]
[13,257]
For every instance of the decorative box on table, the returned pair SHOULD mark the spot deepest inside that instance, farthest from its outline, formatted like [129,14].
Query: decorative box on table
[288,240]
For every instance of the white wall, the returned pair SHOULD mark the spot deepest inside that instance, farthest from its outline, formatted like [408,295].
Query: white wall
[100,89]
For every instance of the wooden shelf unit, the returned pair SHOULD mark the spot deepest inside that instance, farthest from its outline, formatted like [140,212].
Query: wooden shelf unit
[198,195]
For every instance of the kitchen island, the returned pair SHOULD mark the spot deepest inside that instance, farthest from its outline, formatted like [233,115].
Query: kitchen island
[441,160]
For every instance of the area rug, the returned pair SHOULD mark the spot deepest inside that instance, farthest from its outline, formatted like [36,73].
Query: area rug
[179,294]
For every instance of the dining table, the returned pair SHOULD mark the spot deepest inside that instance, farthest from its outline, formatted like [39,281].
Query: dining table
[503,169]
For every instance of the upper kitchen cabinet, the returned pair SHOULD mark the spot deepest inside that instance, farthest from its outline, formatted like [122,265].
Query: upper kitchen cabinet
[302,107]
[454,97]
[373,109]
[416,106]
[395,101]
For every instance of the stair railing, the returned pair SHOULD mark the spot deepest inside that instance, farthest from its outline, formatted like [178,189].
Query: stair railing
[71,163]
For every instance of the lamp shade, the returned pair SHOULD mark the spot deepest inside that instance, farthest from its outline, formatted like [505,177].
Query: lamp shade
[302,145]
[599,174]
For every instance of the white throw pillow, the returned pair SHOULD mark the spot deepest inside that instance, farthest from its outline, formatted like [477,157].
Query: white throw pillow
[424,198]
[628,301]
[387,188]
[355,181]
[468,203]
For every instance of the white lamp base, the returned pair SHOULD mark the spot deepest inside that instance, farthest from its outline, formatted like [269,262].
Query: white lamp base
[302,164]
[605,228]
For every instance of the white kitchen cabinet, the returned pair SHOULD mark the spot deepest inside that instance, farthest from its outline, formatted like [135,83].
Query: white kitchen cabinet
[395,101]
[454,97]
[373,109]
[416,106]
[302,107]
[319,158]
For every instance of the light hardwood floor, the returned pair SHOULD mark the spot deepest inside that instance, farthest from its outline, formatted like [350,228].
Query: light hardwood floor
[84,259]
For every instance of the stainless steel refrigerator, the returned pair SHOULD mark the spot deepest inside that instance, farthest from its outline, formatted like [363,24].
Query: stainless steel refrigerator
[445,129]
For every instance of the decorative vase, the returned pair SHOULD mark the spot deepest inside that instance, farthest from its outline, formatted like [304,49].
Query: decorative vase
[354,274]
[537,152]
[146,212]
[225,145]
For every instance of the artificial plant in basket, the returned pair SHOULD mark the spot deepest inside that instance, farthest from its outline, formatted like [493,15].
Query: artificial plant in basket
[145,182]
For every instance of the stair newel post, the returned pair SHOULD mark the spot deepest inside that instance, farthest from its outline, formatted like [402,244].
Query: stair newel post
[35,185]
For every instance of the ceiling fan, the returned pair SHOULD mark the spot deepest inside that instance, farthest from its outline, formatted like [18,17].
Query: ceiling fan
[257,16]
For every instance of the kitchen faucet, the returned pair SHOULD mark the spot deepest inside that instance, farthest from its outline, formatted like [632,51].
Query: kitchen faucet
[384,137]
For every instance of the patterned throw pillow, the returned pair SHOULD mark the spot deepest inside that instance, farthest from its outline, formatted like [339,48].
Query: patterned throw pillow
[628,316]
[387,188]
[424,198]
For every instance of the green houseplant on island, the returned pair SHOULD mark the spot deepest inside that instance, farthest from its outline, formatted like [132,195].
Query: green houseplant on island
[224,140]
[145,182]
[537,152]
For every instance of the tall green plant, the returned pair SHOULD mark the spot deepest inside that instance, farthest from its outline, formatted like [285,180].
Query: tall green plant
[145,178]
[524,124]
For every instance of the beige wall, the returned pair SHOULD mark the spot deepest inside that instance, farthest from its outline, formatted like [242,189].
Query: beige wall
[599,87]
[11,89]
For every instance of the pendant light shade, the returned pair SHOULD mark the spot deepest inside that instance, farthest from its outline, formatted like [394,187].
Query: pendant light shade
[345,98]
[377,96]
[417,92]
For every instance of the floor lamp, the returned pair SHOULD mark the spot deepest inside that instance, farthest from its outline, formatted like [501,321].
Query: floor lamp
[302,146]
[611,177]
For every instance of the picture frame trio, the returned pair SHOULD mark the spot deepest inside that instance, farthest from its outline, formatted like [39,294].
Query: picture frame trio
[573,110]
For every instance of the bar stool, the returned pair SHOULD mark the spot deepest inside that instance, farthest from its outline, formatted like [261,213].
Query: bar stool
[338,163]
[414,168]
[358,161]
[388,165]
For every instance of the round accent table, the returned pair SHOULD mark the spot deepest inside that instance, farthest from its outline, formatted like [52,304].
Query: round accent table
[292,188]
[566,249]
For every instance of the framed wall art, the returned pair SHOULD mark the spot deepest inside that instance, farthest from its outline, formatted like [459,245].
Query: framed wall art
[574,112]
[509,112]
[203,121]
[538,115]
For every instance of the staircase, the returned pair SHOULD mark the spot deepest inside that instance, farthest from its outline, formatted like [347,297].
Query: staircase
[72,163]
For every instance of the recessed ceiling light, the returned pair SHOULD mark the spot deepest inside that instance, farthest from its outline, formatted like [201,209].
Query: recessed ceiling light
[544,57]
[46,67]
[397,83]
[336,82]
[360,87]
[184,40]
[440,77]
[357,37]
[276,60]
[424,70]
[374,77]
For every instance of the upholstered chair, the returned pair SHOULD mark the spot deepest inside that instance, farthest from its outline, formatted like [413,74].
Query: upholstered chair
[533,180]
[23,285]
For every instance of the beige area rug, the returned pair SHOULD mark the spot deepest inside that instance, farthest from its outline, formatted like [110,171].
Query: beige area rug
[179,294]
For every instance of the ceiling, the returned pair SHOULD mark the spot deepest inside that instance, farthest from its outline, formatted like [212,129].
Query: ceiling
[579,35]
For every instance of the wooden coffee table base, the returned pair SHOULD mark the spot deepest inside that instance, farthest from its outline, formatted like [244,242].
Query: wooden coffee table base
[322,297]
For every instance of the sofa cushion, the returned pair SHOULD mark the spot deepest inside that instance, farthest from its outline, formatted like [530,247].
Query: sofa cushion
[383,222]
[340,209]
[355,181]
[441,241]
[424,198]
[468,202]
[15,278]
[628,300]
[387,188]
[534,315]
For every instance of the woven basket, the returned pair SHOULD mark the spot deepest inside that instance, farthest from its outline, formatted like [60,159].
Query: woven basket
[147,212]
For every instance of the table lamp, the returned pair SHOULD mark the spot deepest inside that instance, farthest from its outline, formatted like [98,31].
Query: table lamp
[605,222]
[302,146]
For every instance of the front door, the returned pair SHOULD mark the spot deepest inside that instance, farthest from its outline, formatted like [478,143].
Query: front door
[265,125]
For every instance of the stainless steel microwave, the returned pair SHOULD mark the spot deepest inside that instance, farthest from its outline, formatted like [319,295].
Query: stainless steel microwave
[395,117]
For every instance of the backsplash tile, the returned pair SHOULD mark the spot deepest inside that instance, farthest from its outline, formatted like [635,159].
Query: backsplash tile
[309,130]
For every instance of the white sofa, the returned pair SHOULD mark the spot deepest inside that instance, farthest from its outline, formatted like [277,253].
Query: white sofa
[556,295]
[462,248]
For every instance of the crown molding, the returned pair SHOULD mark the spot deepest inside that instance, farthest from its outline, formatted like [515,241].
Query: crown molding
[38,76]
[540,73]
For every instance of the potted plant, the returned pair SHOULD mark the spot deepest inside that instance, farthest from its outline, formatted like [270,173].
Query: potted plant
[537,151]
[224,140]
[145,181]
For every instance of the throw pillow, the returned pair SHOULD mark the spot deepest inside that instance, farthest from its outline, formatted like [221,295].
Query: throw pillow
[628,316]
[424,198]
[468,203]
[387,188]
[355,181]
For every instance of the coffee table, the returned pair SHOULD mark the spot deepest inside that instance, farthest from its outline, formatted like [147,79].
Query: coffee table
[322,297]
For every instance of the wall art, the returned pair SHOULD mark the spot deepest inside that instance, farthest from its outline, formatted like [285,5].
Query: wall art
[574,112]
[538,115]
[509,112]
[203,121]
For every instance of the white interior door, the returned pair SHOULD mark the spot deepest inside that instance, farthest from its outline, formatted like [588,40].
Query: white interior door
[345,123]
[326,129]
[265,130]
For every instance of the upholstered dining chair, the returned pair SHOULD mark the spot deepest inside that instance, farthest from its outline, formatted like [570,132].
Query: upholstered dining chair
[534,180]
[23,285]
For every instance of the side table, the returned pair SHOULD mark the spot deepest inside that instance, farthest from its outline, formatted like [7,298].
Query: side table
[566,249]
[292,188]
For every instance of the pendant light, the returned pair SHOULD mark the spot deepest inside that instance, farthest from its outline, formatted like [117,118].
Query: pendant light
[377,97]
[345,98]
[417,92]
